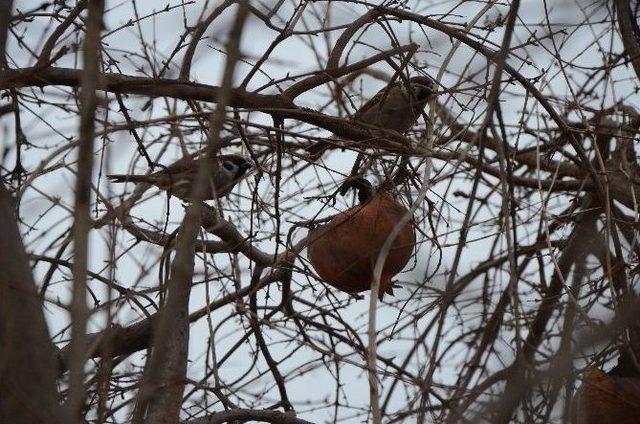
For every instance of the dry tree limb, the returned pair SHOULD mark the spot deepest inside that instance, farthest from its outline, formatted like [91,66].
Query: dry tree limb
[628,33]
[82,221]
[27,365]
[160,395]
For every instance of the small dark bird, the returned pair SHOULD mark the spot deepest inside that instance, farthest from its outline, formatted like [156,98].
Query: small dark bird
[398,106]
[178,178]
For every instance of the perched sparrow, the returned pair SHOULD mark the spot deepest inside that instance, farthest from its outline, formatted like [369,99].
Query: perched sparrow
[396,107]
[178,178]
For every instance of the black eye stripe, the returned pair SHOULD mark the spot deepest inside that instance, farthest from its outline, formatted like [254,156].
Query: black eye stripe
[423,91]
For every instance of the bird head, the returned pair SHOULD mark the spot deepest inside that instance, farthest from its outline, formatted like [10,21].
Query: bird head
[236,164]
[424,87]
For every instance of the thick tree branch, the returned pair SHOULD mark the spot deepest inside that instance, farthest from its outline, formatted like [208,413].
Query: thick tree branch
[6,9]
[160,396]
[249,415]
[628,34]
[81,221]
[27,367]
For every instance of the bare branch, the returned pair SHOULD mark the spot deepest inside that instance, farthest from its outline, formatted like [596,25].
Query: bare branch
[81,222]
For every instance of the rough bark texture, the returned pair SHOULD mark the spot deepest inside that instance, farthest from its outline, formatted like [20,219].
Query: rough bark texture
[27,365]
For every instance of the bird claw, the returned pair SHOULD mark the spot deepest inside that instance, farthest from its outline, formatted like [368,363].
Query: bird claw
[357,296]
[315,152]
[388,290]
[360,184]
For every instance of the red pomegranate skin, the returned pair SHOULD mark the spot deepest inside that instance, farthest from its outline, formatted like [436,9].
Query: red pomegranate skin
[344,251]
[605,399]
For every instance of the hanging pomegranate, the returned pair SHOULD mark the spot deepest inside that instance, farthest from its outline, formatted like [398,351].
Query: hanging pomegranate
[344,251]
[607,399]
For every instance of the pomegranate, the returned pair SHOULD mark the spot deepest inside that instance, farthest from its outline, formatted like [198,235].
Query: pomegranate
[344,251]
[604,399]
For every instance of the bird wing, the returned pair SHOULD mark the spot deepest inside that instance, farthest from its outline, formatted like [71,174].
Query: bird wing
[374,101]
[367,106]
[387,100]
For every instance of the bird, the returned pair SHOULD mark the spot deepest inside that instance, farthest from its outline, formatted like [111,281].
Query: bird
[178,178]
[396,107]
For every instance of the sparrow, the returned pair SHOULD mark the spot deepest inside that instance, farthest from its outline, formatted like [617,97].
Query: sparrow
[178,178]
[396,107]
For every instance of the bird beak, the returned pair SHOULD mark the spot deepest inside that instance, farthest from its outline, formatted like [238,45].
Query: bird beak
[244,167]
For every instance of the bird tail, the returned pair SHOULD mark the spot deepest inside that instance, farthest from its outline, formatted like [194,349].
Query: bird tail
[126,178]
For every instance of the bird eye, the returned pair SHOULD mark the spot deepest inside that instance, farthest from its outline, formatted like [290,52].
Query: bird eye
[423,92]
